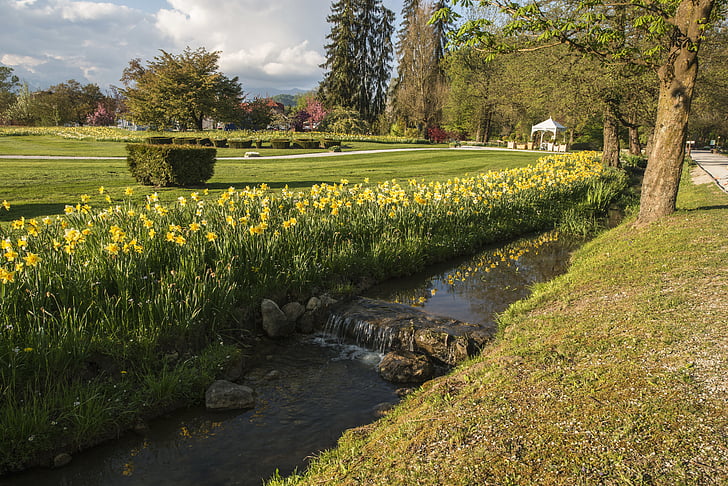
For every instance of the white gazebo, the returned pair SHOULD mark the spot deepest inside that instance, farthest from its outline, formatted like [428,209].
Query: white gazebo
[548,126]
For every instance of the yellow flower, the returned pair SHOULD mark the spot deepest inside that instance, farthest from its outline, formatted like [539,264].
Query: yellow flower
[28,350]
[68,209]
[32,259]
[113,249]
[152,233]
[211,236]
[6,276]
[180,240]
[6,244]
[85,198]
[128,191]
[102,190]
[6,205]
[195,226]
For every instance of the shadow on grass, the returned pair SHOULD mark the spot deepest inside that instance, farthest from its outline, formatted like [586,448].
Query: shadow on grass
[31,211]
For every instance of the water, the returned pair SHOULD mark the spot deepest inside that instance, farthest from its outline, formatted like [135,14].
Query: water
[475,290]
[324,388]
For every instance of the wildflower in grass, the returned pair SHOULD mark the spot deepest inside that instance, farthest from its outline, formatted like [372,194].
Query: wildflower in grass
[182,201]
[290,222]
[85,198]
[6,276]
[153,198]
[211,236]
[102,190]
[6,244]
[151,234]
[180,240]
[113,249]
[19,267]
[128,191]
[169,236]
[68,209]
[31,259]
[195,226]
[6,205]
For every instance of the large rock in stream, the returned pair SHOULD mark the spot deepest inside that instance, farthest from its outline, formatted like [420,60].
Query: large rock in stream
[385,327]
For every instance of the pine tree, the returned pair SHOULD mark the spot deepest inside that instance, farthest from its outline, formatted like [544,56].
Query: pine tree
[358,57]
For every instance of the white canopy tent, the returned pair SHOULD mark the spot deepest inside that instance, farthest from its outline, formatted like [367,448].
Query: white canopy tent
[548,126]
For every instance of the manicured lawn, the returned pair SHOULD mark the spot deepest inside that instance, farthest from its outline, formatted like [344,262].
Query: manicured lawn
[41,187]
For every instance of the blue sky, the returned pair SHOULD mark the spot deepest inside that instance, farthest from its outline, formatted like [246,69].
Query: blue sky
[273,44]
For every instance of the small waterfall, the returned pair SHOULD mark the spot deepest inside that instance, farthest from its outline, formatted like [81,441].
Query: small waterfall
[367,334]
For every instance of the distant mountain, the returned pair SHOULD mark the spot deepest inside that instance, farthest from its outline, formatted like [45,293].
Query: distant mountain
[270,92]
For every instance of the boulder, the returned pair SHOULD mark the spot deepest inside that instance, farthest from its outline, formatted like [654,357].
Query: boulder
[62,459]
[275,321]
[225,395]
[293,310]
[313,304]
[306,323]
[406,367]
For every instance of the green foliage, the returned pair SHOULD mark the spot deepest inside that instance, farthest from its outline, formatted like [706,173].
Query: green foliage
[181,90]
[170,165]
[343,120]
[358,57]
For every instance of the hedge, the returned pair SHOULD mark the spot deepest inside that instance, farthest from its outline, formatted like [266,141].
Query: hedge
[170,165]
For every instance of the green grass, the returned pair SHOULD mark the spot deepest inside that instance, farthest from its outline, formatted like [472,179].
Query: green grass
[611,374]
[41,187]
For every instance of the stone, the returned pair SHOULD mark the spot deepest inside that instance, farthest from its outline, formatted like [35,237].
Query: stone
[273,375]
[62,459]
[275,321]
[327,301]
[406,367]
[293,310]
[306,323]
[313,304]
[225,395]
[234,368]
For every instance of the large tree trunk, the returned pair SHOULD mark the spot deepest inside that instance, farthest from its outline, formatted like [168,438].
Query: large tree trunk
[677,81]
[610,154]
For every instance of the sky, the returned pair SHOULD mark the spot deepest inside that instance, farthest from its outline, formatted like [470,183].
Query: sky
[271,45]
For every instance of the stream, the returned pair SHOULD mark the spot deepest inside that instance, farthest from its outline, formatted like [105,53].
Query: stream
[320,387]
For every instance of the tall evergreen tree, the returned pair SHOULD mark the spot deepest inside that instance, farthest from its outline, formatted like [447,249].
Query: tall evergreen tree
[420,84]
[358,57]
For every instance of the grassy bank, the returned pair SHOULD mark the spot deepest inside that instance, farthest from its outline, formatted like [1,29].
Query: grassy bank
[612,374]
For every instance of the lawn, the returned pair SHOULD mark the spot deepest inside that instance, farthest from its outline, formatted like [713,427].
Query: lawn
[38,187]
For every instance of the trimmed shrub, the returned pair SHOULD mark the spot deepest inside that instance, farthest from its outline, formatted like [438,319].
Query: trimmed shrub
[159,140]
[172,165]
[330,142]
[205,142]
[240,144]
[185,141]
[306,143]
[220,142]
[280,143]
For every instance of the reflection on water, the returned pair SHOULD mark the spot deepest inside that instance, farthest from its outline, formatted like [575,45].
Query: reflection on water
[477,289]
[324,387]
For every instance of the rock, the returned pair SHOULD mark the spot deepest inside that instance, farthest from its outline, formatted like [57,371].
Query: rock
[306,323]
[62,459]
[275,321]
[406,367]
[313,304]
[442,344]
[327,301]
[225,395]
[140,428]
[293,310]
[273,375]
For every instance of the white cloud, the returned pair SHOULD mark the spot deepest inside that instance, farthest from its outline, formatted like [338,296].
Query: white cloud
[273,44]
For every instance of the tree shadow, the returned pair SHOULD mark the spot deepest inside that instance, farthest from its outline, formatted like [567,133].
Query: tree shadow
[273,185]
[31,210]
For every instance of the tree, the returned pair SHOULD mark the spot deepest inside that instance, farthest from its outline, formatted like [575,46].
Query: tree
[358,57]
[664,35]
[9,85]
[181,90]
[419,89]
[709,120]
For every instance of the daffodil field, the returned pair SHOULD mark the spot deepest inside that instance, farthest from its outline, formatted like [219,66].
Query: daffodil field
[122,280]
